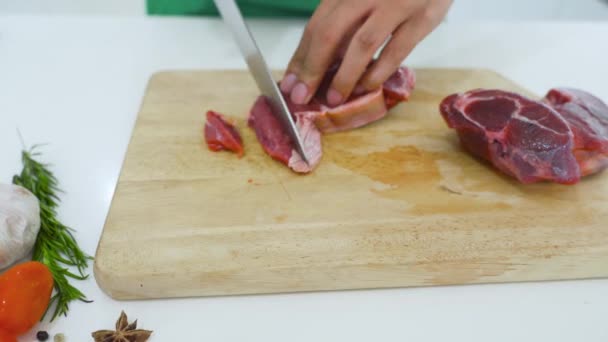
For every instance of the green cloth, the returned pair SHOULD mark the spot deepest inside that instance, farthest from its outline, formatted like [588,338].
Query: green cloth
[249,8]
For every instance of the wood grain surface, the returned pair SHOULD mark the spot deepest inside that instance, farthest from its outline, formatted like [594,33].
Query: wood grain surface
[394,204]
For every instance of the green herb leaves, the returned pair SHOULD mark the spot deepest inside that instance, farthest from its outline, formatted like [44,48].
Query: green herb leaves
[55,245]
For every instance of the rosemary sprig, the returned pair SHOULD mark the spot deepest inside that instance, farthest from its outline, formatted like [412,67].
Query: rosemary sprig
[55,245]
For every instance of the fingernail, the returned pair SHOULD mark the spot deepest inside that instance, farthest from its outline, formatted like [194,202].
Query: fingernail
[299,93]
[288,82]
[334,97]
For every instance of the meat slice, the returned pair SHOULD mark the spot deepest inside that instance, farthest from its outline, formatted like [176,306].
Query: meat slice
[588,118]
[222,135]
[278,144]
[361,108]
[357,112]
[524,138]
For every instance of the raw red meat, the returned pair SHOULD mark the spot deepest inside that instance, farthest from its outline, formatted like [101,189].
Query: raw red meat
[357,112]
[222,135]
[317,117]
[399,87]
[523,138]
[529,139]
[588,118]
[361,108]
[278,144]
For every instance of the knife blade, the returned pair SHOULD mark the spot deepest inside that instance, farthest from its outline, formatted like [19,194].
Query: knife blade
[233,18]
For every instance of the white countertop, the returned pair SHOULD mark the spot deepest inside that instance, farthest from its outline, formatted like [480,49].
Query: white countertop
[77,83]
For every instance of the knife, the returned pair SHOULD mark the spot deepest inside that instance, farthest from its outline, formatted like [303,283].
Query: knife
[257,66]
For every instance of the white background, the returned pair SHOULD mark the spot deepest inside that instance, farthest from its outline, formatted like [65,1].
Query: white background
[77,82]
[462,10]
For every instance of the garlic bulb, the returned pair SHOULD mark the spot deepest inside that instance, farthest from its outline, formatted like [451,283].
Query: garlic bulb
[19,223]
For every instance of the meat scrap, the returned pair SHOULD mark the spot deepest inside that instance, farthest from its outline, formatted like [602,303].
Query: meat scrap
[222,135]
[317,117]
[560,139]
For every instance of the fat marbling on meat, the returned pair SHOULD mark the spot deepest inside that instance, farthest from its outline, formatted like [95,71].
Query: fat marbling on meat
[561,138]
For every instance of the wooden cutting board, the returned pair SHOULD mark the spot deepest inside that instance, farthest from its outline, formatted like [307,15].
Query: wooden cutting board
[393,204]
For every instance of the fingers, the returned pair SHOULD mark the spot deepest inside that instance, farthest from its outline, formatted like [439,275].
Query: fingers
[341,52]
[290,78]
[361,49]
[353,31]
[398,48]
[403,41]
[325,38]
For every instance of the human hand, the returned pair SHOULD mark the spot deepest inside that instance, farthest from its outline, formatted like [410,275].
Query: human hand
[353,31]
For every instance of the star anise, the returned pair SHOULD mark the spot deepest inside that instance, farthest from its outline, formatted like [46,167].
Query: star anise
[125,332]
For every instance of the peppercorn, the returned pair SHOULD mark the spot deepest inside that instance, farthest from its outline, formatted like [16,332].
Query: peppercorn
[42,336]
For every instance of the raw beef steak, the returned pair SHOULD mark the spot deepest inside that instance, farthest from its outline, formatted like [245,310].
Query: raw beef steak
[560,139]
[524,138]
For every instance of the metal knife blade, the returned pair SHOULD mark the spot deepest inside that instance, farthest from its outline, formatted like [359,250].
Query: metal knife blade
[257,66]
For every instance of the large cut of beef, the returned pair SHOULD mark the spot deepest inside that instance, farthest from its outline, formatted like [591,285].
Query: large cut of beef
[317,117]
[561,138]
